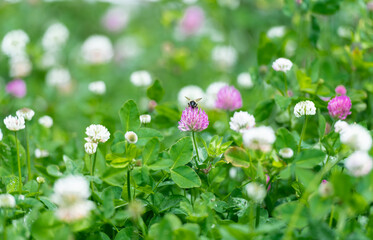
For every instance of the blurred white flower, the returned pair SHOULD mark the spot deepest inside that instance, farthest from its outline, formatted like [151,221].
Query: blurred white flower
[232,4]
[145,118]
[75,212]
[286,152]
[90,147]
[97,49]
[304,108]
[192,92]
[276,32]
[115,19]
[1,135]
[233,171]
[242,121]
[131,137]
[7,201]
[141,78]
[97,133]
[46,121]
[344,32]
[58,77]
[40,180]
[244,80]
[224,56]
[25,113]
[359,163]
[356,137]
[41,153]
[212,92]
[20,66]
[326,189]
[282,65]
[97,87]
[55,37]
[49,59]
[259,138]
[127,48]
[14,123]
[14,43]
[256,192]
[340,125]
[290,48]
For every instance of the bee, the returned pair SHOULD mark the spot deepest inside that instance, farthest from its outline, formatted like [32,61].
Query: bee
[193,103]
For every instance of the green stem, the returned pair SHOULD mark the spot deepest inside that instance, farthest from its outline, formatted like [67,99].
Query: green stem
[94,164]
[302,134]
[286,85]
[196,148]
[29,176]
[129,184]
[331,217]
[257,215]
[4,226]
[19,166]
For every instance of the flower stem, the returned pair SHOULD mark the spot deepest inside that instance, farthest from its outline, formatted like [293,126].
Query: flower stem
[196,148]
[4,226]
[286,85]
[29,176]
[303,132]
[93,164]
[19,166]
[129,184]
[331,217]
[257,215]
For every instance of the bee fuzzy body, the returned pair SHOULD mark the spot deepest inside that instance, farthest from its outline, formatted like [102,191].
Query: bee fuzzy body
[193,103]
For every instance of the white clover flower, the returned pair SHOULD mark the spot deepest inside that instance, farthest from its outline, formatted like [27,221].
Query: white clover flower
[192,92]
[359,163]
[25,113]
[75,212]
[97,87]
[145,118]
[141,78]
[244,80]
[326,189]
[259,138]
[356,137]
[14,43]
[46,121]
[90,147]
[49,59]
[40,153]
[131,137]
[40,180]
[256,191]
[304,108]
[242,121]
[127,48]
[55,37]
[212,92]
[97,133]
[58,77]
[7,201]
[286,152]
[14,123]
[97,49]
[20,66]
[233,171]
[224,56]
[340,125]
[282,65]
[344,32]
[1,135]
[232,4]
[276,32]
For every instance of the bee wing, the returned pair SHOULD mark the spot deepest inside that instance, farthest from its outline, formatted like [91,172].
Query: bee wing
[187,98]
[198,99]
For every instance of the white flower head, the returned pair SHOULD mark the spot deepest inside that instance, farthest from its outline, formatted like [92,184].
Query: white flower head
[90,147]
[276,32]
[1,135]
[46,121]
[14,123]
[359,163]
[58,77]
[356,137]
[40,180]
[75,212]
[256,191]
[282,65]
[20,66]
[224,56]
[97,49]
[212,92]
[141,78]
[286,152]
[242,121]
[41,153]
[7,201]
[244,80]
[97,133]
[340,125]
[326,189]
[14,43]
[192,92]
[259,138]
[26,113]
[131,137]
[304,108]
[233,171]
[145,118]
[55,37]
[97,87]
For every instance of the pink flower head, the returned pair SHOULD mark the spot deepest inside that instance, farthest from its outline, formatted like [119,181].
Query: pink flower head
[17,88]
[115,19]
[193,119]
[324,181]
[341,90]
[340,107]
[267,181]
[192,20]
[228,98]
